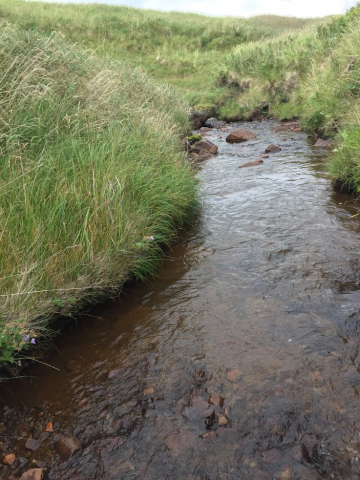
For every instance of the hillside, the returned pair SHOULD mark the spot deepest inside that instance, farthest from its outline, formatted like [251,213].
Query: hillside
[183,49]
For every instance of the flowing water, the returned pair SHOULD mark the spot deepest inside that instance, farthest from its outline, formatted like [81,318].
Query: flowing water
[240,362]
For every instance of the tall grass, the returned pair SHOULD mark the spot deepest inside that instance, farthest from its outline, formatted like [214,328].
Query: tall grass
[183,49]
[92,178]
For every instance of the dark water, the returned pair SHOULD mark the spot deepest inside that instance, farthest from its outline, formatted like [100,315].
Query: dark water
[258,304]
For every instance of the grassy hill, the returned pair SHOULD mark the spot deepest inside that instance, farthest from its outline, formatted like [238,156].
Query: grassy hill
[183,49]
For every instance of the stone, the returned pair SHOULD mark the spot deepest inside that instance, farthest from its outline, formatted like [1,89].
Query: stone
[148,391]
[67,447]
[214,123]
[213,150]
[234,375]
[49,427]
[72,365]
[326,144]
[205,129]
[34,474]
[264,156]
[285,127]
[255,163]
[272,148]
[216,399]
[222,420]
[204,146]
[199,410]
[240,135]
[208,435]
[32,444]
[9,459]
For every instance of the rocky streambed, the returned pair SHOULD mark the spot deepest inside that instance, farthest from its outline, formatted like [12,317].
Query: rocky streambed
[240,362]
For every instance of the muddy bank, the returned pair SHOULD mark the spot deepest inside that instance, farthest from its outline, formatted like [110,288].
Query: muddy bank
[241,361]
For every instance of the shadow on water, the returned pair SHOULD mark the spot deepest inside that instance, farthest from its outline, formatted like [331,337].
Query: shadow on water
[240,362]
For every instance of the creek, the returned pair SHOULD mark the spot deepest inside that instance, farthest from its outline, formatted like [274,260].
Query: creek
[241,361]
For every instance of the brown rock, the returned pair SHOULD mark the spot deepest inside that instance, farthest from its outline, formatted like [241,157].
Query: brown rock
[203,146]
[213,149]
[67,447]
[326,144]
[285,127]
[222,420]
[34,474]
[38,463]
[216,400]
[234,375]
[148,391]
[9,459]
[264,156]
[240,135]
[297,130]
[205,129]
[49,427]
[208,435]
[72,365]
[272,148]
[255,163]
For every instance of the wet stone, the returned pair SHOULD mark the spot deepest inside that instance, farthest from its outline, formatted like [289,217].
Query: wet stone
[32,444]
[9,459]
[208,435]
[34,474]
[67,447]
[222,420]
[272,148]
[234,375]
[3,447]
[216,399]
[255,163]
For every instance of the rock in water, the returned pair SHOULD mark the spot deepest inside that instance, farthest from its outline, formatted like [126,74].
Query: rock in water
[272,148]
[214,123]
[9,459]
[327,144]
[252,164]
[67,447]
[34,474]
[240,135]
[204,146]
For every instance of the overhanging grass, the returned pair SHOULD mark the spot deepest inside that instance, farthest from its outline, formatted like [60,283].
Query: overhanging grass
[92,179]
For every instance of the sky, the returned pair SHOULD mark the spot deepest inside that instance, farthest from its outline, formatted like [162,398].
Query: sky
[239,8]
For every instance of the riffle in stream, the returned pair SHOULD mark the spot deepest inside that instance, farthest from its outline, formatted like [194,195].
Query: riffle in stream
[241,361]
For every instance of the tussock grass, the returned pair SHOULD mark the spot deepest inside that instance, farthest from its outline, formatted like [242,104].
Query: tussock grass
[183,49]
[91,172]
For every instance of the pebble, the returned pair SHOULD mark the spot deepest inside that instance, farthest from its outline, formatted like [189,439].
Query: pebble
[222,420]
[9,459]
[234,375]
[67,447]
[216,400]
[33,474]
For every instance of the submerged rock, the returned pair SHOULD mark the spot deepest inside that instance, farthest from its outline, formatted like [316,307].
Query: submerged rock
[234,375]
[289,126]
[67,447]
[9,459]
[34,474]
[216,399]
[326,144]
[272,148]
[239,136]
[255,163]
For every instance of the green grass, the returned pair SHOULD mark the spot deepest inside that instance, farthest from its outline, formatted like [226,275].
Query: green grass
[91,170]
[183,49]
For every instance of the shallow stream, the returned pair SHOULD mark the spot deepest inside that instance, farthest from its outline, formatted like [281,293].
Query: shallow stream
[240,362]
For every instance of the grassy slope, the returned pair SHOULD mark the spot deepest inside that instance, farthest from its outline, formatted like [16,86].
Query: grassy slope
[182,49]
[91,168]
